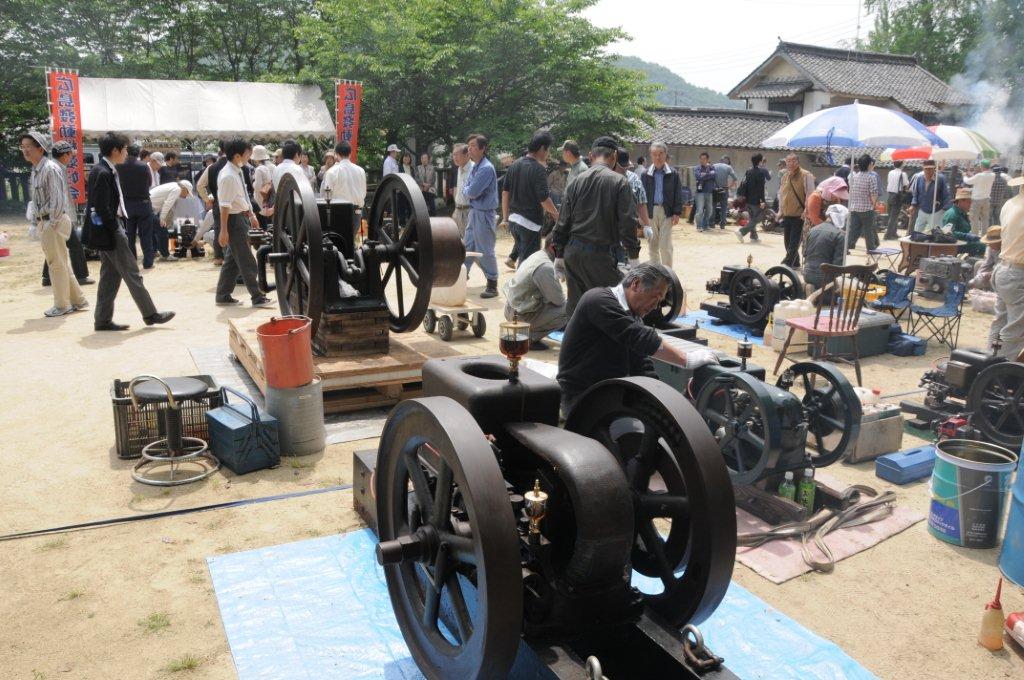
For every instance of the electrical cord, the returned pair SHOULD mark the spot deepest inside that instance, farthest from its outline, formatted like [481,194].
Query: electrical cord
[169,513]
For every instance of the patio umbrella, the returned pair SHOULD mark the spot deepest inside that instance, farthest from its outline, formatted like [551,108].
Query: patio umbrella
[963,145]
[853,126]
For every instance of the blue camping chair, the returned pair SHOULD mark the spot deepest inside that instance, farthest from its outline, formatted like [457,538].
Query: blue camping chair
[896,300]
[943,322]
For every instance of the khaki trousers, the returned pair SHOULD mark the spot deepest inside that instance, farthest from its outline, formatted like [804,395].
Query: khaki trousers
[661,242]
[54,237]
[461,217]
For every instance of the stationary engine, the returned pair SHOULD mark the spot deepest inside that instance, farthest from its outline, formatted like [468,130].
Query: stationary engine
[510,542]
[987,388]
[934,274]
[752,294]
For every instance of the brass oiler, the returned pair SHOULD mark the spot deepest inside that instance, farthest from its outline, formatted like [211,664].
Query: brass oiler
[536,506]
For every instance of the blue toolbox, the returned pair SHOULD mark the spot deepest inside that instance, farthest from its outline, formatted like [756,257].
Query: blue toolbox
[907,465]
[243,438]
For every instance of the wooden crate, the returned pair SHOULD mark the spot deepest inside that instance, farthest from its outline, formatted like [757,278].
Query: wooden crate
[351,383]
[352,333]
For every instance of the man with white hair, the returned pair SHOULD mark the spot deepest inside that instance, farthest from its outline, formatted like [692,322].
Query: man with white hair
[664,188]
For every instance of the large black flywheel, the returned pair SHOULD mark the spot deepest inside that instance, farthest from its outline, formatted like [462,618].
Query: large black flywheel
[830,406]
[752,296]
[670,306]
[996,401]
[685,512]
[416,252]
[297,250]
[448,541]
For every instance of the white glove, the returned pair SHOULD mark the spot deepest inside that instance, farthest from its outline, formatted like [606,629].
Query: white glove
[648,233]
[33,232]
[632,262]
[30,212]
[696,358]
[560,268]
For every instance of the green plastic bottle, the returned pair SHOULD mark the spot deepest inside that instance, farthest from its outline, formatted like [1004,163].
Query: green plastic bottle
[788,489]
[805,490]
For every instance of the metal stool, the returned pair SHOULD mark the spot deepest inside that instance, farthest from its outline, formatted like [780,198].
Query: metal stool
[890,255]
[175,449]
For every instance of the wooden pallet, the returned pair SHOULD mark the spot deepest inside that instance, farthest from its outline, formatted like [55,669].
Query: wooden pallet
[350,383]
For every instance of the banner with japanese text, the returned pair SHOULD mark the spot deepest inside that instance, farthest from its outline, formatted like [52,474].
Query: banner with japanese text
[349,104]
[66,124]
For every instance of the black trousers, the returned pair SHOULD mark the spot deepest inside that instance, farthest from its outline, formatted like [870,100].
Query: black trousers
[527,242]
[78,264]
[895,204]
[793,228]
[238,260]
[587,267]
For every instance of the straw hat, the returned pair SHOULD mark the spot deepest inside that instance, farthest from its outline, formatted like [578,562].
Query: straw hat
[963,195]
[993,235]
[1016,181]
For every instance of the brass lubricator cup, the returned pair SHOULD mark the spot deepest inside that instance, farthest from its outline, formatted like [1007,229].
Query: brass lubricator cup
[744,350]
[536,506]
[514,343]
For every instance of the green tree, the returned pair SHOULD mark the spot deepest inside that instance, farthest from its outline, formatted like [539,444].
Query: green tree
[940,33]
[434,70]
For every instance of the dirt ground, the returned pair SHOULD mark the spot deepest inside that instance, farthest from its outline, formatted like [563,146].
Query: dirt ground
[136,601]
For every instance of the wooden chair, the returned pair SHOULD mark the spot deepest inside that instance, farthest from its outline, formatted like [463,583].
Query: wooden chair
[837,315]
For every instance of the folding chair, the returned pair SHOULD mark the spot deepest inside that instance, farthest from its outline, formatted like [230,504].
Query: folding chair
[896,300]
[890,255]
[942,322]
[842,298]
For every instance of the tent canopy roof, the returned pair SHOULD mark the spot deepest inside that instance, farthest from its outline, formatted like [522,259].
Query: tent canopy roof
[202,109]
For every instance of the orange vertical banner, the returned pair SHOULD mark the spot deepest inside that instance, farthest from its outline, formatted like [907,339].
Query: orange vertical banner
[66,124]
[349,104]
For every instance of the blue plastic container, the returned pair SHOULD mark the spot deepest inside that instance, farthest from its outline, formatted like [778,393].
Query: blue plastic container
[1011,559]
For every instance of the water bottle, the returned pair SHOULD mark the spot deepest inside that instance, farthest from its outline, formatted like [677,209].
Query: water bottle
[805,491]
[788,489]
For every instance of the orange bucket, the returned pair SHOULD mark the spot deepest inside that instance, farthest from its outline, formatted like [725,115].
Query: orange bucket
[287,351]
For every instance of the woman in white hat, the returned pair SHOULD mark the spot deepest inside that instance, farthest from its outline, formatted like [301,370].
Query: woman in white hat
[263,179]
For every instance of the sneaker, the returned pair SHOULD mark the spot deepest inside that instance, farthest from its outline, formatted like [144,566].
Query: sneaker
[84,304]
[739,236]
[57,311]
[168,258]
[227,302]
[262,301]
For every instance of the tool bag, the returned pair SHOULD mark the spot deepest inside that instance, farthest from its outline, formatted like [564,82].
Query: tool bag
[244,439]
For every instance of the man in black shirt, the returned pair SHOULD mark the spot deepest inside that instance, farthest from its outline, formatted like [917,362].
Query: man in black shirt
[525,197]
[753,190]
[606,336]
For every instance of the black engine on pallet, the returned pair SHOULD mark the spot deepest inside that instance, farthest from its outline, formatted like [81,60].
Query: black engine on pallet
[987,388]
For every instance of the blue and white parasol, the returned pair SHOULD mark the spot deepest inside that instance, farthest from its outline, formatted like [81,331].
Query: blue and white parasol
[853,126]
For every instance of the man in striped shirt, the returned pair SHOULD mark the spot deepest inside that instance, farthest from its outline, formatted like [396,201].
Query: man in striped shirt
[52,215]
[863,195]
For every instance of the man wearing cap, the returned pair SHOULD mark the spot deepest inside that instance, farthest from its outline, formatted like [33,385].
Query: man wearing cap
[957,219]
[391,160]
[165,197]
[982,279]
[1008,277]
[571,155]
[63,153]
[104,230]
[51,211]
[929,198]
[981,195]
[598,215]
[263,183]
[482,192]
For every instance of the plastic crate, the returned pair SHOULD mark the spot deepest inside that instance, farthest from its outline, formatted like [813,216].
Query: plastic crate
[135,428]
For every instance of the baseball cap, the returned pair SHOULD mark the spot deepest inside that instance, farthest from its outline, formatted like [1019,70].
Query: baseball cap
[393,147]
[62,147]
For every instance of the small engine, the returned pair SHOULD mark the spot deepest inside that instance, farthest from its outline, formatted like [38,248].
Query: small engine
[934,274]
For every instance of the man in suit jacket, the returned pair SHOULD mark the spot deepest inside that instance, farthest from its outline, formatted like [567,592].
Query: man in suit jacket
[105,217]
[136,182]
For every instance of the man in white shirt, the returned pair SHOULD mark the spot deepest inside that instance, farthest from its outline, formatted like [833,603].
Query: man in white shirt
[896,185]
[460,157]
[981,196]
[391,160]
[290,152]
[236,217]
[165,197]
[345,181]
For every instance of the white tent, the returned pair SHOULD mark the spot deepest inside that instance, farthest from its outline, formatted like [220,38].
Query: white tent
[197,109]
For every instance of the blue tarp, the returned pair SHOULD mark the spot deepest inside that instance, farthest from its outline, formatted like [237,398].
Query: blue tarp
[319,609]
[732,330]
